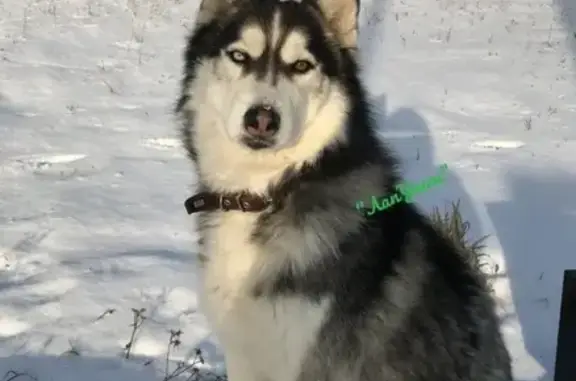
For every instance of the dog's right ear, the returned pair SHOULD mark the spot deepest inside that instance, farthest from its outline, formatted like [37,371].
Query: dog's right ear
[211,9]
[342,16]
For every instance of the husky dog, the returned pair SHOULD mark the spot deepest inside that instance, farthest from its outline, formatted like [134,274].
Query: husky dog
[298,284]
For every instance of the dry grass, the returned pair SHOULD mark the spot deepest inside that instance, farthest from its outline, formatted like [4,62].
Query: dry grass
[455,227]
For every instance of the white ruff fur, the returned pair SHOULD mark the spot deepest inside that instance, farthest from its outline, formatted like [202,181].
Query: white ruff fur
[263,339]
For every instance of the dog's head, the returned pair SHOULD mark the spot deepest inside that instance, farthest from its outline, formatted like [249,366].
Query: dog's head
[266,85]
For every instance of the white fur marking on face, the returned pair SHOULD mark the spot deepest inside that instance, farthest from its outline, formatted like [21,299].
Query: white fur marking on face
[253,40]
[294,48]
[275,35]
[211,99]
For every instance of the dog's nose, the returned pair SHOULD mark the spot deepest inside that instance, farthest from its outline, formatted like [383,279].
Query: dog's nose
[262,121]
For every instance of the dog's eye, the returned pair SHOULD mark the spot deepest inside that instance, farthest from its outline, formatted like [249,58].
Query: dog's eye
[302,66]
[237,56]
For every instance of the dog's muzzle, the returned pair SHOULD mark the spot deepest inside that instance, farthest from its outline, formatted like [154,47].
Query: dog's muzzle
[261,124]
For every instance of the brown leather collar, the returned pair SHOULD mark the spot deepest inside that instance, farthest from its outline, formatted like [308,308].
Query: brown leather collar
[246,202]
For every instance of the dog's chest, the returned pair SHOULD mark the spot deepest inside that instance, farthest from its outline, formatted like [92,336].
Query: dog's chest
[271,333]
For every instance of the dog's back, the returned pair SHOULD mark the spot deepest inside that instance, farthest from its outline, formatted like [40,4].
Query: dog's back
[417,311]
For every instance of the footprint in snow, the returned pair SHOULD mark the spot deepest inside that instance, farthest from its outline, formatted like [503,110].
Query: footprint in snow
[164,144]
[58,165]
[11,327]
[494,145]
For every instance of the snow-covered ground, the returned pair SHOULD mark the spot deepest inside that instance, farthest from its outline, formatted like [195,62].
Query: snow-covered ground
[92,178]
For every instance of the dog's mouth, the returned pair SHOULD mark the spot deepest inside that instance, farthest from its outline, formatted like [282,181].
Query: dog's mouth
[257,143]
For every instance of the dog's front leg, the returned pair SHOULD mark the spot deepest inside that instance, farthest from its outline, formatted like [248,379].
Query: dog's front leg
[239,368]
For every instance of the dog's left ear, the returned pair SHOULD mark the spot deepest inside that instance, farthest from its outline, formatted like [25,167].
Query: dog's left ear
[342,15]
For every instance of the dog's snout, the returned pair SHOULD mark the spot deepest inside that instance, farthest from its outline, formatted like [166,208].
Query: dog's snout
[262,121]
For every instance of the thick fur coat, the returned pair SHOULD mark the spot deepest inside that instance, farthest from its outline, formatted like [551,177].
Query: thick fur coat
[311,289]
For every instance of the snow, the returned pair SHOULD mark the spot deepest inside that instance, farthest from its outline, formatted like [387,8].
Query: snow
[93,179]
